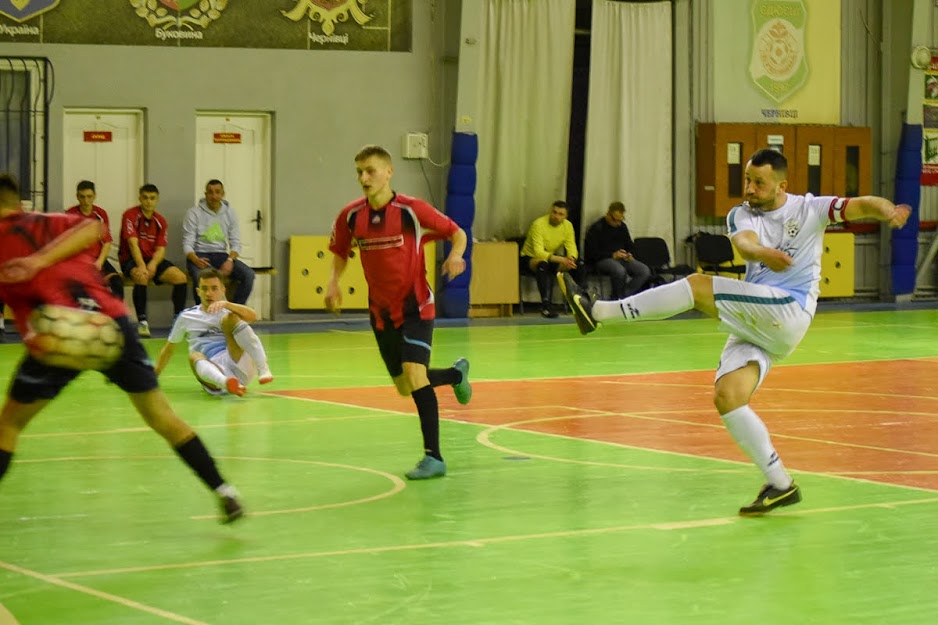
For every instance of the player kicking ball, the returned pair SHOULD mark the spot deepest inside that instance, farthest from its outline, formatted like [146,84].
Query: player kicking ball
[224,352]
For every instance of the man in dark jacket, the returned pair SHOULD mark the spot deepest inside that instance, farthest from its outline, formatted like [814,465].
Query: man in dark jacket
[609,251]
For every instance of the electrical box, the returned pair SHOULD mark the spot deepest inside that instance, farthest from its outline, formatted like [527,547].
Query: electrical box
[416,145]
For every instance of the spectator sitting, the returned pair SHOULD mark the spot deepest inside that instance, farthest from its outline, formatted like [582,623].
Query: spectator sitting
[550,247]
[609,249]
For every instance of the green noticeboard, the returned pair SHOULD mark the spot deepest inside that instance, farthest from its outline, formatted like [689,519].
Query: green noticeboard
[379,25]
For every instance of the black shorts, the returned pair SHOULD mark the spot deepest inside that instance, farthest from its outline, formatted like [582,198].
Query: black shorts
[160,269]
[107,269]
[411,342]
[133,372]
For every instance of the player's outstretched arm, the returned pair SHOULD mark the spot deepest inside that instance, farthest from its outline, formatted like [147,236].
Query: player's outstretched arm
[455,264]
[878,208]
[245,312]
[166,353]
[74,240]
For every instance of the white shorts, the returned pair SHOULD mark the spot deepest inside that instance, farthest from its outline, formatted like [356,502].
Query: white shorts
[244,370]
[765,324]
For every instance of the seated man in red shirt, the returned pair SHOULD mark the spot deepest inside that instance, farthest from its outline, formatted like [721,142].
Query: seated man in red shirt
[43,260]
[89,210]
[143,255]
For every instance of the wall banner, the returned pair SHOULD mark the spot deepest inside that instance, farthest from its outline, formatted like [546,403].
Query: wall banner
[376,25]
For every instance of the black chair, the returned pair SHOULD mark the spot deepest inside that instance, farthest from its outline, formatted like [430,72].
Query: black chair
[653,251]
[715,254]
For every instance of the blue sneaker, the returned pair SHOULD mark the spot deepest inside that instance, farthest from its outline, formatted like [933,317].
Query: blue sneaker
[462,390]
[428,467]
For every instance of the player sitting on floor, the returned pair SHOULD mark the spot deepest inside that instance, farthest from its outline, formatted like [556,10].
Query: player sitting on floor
[224,352]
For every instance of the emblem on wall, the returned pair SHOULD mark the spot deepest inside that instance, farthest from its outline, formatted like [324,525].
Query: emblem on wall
[179,19]
[778,66]
[328,12]
[22,10]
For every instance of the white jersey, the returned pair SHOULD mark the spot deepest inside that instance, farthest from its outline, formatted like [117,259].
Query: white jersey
[202,330]
[797,228]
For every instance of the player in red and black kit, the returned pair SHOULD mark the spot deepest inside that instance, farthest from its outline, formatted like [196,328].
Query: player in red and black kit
[390,230]
[87,209]
[44,259]
[142,255]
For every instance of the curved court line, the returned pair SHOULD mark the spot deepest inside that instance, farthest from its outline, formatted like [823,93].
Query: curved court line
[106,596]
[484,438]
[397,485]
[495,540]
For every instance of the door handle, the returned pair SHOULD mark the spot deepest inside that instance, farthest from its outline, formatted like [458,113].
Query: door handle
[257,220]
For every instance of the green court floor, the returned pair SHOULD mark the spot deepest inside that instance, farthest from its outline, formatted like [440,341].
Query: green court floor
[591,481]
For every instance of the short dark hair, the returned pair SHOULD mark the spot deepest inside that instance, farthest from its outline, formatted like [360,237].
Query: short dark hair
[85,185]
[372,150]
[773,158]
[210,272]
[560,204]
[149,188]
[616,207]
[9,190]
[214,181]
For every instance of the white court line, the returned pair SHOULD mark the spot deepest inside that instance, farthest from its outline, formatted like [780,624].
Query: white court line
[482,542]
[106,596]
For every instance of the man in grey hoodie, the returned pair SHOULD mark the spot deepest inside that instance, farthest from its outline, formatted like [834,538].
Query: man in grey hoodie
[211,238]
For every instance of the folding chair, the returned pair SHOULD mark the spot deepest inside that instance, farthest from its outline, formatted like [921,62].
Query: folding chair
[715,254]
[653,251]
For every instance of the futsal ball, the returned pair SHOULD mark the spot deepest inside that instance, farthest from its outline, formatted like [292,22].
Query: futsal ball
[73,338]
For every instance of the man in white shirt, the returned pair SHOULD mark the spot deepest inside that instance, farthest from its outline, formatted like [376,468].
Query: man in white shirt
[224,352]
[781,238]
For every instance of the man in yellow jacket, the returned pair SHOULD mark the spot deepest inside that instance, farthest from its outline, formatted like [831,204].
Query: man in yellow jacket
[549,247]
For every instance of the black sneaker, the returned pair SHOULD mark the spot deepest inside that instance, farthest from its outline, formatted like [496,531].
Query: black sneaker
[770,498]
[231,509]
[548,312]
[579,302]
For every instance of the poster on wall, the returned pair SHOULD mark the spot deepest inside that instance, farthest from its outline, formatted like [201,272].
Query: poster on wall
[930,125]
[373,25]
[781,64]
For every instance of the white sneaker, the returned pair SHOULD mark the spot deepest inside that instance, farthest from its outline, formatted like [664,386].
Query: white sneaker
[265,377]
[143,329]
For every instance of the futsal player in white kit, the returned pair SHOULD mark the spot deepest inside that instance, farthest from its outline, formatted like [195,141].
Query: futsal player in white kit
[781,238]
[224,352]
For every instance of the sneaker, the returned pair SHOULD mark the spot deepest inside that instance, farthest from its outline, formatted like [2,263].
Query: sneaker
[428,467]
[143,329]
[579,302]
[265,377]
[462,390]
[770,498]
[548,312]
[231,509]
[235,387]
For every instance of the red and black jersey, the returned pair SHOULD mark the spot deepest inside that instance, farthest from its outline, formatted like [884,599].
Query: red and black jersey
[101,215]
[150,233]
[74,282]
[390,240]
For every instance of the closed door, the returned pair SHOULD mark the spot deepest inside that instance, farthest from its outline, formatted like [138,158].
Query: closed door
[235,149]
[105,147]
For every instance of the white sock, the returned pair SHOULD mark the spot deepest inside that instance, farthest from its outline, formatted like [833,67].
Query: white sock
[210,373]
[750,433]
[227,490]
[658,303]
[245,337]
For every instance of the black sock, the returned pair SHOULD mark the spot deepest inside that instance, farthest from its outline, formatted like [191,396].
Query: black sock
[194,453]
[545,281]
[116,284]
[140,302]
[428,409]
[443,377]
[5,458]
[179,298]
